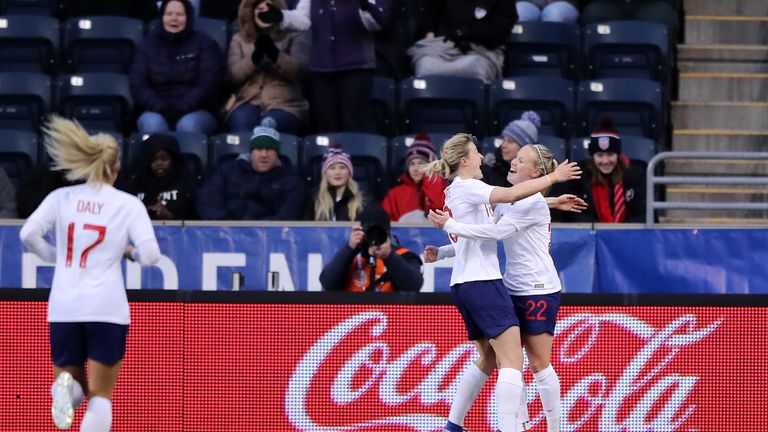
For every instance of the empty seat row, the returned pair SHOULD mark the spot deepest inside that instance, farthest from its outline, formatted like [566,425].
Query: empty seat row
[378,161]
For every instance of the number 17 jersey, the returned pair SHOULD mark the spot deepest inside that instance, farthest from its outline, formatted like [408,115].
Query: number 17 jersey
[93,225]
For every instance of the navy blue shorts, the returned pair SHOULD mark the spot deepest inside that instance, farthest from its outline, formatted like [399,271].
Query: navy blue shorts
[485,307]
[72,343]
[537,313]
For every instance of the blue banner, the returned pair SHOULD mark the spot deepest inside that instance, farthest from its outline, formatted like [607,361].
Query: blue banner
[601,261]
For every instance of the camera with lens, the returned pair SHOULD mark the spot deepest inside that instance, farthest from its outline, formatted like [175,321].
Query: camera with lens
[375,235]
[375,222]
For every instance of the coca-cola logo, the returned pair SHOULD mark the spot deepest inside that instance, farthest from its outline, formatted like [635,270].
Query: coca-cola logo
[628,391]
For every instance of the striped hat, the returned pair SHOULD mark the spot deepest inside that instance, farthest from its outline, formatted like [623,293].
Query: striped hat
[335,155]
[421,148]
[525,130]
[265,135]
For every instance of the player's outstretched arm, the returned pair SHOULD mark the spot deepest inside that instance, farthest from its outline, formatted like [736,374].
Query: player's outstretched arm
[564,172]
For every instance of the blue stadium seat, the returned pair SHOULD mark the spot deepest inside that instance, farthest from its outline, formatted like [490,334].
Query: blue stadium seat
[215,28]
[25,99]
[369,158]
[399,151]
[19,153]
[555,144]
[194,150]
[381,117]
[636,148]
[28,43]
[101,43]
[30,7]
[635,106]
[553,99]
[442,104]
[543,49]
[228,146]
[627,49]
[100,101]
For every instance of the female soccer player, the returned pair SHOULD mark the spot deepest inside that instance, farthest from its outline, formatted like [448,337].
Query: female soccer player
[530,275]
[476,285]
[95,225]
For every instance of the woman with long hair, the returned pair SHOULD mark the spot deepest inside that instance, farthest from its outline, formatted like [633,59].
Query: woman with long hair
[476,282]
[338,197]
[95,226]
[530,275]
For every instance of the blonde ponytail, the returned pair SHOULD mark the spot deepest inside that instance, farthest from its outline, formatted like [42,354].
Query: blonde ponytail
[453,150]
[90,158]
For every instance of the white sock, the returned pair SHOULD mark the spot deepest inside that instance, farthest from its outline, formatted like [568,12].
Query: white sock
[76,393]
[509,391]
[549,390]
[98,416]
[522,412]
[469,387]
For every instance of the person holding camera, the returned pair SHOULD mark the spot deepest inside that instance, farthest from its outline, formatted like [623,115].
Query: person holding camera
[372,260]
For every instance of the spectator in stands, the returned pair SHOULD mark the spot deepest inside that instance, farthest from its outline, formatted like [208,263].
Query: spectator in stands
[7,199]
[342,59]
[563,11]
[613,189]
[372,259]
[144,10]
[464,38]
[662,11]
[266,65]
[338,197]
[255,186]
[161,181]
[411,200]
[176,75]
[37,186]
[516,134]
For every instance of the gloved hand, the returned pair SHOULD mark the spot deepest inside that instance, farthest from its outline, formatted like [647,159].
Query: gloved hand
[264,46]
[273,15]
[364,5]
[459,38]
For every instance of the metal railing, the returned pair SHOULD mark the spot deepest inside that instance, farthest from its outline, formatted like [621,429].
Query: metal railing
[652,180]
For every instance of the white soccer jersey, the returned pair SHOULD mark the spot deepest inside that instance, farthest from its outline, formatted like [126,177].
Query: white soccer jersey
[93,226]
[468,201]
[525,230]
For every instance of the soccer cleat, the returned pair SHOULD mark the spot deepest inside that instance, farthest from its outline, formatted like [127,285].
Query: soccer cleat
[62,411]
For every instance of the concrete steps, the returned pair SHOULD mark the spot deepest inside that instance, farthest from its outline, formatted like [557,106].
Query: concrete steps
[711,30]
[717,86]
[726,7]
[721,54]
[720,115]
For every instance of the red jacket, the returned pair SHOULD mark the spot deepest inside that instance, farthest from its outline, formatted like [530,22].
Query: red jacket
[410,196]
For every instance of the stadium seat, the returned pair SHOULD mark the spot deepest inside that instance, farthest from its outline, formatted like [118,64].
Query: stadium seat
[399,151]
[369,158]
[442,104]
[635,106]
[635,147]
[28,43]
[19,153]
[30,7]
[381,115]
[25,99]
[101,43]
[228,146]
[553,99]
[215,28]
[100,101]
[543,49]
[555,144]
[194,150]
[627,49]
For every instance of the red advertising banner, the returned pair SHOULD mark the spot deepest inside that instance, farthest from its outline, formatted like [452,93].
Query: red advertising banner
[294,367]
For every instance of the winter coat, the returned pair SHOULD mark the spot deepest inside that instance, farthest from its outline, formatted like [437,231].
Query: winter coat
[237,192]
[496,173]
[340,207]
[340,39]
[175,190]
[176,74]
[411,197]
[483,22]
[270,85]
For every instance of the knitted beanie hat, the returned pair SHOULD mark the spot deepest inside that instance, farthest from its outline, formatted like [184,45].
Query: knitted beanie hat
[265,135]
[335,155]
[525,130]
[421,148]
[605,139]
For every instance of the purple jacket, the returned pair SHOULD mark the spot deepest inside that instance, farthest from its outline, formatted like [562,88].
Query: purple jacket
[340,39]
